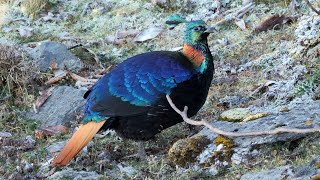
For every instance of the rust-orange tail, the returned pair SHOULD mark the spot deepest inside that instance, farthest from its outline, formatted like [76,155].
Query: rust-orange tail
[77,142]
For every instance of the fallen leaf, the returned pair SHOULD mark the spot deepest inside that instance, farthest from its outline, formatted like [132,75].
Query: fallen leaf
[42,98]
[149,33]
[273,21]
[263,87]
[241,24]
[50,131]
[25,31]
[126,33]
[114,40]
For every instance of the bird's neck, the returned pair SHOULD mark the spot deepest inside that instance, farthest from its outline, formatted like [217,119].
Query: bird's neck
[196,53]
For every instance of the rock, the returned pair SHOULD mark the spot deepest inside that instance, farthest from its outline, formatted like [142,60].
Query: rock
[301,110]
[69,173]
[283,172]
[28,167]
[234,115]
[56,147]
[60,108]
[186,150]
[303,172]
[232,101]
[308,30]
[49,53]
[128,170]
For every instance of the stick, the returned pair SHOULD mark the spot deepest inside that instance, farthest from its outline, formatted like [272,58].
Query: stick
[184,115]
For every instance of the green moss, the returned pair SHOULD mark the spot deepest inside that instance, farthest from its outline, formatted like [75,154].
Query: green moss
[185,151]
[317,165]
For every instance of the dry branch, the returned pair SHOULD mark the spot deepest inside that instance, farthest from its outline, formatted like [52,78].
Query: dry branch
[237,15]
[184,115]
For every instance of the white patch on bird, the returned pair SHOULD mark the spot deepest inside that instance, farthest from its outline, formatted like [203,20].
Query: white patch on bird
[149,114]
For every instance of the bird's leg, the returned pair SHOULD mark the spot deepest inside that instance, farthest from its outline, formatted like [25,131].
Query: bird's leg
[141,151]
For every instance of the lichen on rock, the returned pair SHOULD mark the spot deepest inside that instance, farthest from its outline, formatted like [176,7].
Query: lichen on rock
[186,150]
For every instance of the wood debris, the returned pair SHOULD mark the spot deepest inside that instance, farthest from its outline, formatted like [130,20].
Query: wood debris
[50,131]
[44,95]
[273,21]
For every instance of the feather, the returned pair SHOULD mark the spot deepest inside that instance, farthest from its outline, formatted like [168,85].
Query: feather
[77,142]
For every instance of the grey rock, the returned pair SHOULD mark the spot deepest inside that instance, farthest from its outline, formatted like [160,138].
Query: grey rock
[128,170]
[47,53]
[300,111]
[283,172]
[28,167]
[232,101]
[75,175]
[61,107]
[304,172]
[56,147]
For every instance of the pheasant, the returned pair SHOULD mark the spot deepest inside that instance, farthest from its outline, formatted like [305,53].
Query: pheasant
[131,99]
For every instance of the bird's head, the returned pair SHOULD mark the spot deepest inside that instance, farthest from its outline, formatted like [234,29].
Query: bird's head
[196,31]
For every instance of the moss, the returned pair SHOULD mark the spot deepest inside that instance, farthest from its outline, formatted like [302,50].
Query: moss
[317,165]
[234,115]
[185,151]
[255,116]
[228,144]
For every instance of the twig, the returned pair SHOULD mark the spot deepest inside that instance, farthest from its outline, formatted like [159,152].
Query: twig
[184,115]
[236,15]
[313,9]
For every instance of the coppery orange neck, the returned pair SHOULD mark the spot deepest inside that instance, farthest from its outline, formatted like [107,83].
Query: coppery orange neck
[194,55]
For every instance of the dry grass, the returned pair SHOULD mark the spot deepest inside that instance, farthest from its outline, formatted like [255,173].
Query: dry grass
[32,8]
[16,74]
[4,8]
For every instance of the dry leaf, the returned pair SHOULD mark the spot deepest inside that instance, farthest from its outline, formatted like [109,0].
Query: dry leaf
[149,33]
[241,24]
[114,40]
[25,31]
[263,87]
[42,98]
[50,131]
[272,22]
[126,33]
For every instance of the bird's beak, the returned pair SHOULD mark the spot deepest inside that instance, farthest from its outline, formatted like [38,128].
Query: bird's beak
[210,29]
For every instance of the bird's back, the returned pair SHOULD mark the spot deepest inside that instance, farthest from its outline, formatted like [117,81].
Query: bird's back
[132,95]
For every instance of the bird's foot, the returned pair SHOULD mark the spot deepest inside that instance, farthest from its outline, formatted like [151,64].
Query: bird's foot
[141,155]
[141,151]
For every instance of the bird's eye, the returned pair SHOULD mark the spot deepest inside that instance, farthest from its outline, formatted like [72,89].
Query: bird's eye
[197,28]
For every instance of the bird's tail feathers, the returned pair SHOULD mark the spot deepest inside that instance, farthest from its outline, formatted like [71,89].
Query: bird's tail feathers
[77,142]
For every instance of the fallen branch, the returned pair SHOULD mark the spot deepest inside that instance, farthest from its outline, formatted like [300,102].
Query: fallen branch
[313,9]
[184,115]
[237,15]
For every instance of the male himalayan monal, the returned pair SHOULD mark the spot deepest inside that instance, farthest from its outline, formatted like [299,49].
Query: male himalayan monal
[131,99]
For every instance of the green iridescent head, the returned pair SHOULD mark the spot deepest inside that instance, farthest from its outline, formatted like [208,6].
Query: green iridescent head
[196,31]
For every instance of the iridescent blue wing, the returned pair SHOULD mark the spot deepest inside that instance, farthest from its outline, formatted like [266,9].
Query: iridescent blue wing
[137,84]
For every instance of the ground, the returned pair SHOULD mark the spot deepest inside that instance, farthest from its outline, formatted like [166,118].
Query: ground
[265,75]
